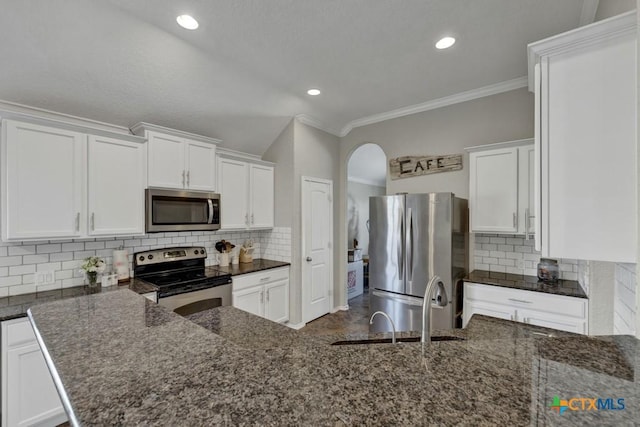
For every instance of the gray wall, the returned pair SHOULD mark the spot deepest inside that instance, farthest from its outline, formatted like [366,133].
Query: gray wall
[281,153]
[609,8]
[359,193]
[299,151]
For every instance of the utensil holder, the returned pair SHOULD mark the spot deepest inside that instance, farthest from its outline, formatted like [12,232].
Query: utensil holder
[223,259]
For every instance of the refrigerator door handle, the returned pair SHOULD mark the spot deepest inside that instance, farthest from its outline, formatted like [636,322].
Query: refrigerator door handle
[401,248]
[409,239]
[400,298]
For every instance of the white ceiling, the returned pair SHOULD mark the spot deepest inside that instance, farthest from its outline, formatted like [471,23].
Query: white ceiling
[242,76]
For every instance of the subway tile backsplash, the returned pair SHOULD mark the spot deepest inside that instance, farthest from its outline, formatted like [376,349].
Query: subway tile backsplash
[516,255]
[19,262]
[624,305]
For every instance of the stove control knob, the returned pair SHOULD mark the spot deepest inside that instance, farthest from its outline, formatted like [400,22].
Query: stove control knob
[196,252]
[141,258]
[150,257]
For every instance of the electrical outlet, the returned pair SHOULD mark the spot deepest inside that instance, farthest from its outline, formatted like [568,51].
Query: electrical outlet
[45,277]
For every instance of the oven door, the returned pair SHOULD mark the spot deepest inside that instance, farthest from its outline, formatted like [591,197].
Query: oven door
[174,210]
[197,301]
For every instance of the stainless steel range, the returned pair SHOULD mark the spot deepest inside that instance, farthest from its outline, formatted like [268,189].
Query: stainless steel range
[185,285]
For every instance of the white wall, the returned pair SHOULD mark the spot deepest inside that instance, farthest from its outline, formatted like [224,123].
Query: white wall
[281,153]
[609,8]
[358,195]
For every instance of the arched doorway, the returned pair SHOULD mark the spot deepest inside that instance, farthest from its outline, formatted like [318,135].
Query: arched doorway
[366,177]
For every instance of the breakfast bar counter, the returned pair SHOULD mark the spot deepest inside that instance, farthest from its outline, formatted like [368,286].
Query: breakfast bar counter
[118,358]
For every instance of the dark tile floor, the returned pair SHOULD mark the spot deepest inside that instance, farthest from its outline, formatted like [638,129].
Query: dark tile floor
[354,320]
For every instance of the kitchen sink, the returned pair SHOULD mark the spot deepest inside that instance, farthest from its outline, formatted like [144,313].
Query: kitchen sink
[398,340]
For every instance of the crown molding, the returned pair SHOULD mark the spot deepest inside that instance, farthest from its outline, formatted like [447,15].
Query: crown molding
[14,110]
[469,95]
[507,144]
[370,182]
[310,121]
[588,12]
[141,128]
[625,23]
[244,157]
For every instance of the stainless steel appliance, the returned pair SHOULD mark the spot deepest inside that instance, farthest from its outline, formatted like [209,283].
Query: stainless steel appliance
[185,285]
[176,210]
[412,238]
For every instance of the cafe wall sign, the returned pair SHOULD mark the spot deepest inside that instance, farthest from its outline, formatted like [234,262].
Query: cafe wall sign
[410,166]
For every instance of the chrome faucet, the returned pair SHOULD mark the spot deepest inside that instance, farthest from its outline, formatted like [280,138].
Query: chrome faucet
[393,326]
[441,300]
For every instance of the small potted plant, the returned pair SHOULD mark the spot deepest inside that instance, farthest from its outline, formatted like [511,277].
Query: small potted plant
[92,266]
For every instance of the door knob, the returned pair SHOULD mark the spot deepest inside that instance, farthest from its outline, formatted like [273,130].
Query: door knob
[309,259]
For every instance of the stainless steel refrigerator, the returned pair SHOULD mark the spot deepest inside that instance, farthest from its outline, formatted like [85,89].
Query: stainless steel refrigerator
[413,237]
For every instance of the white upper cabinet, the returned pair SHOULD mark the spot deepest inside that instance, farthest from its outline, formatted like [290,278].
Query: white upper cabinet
[178,159]
[43,181]
[501,187]
[117,177]
[246,193]
[63,183]
[261,195]
[585,85]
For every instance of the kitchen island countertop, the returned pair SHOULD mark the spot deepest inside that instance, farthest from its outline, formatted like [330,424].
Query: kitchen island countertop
[122,359]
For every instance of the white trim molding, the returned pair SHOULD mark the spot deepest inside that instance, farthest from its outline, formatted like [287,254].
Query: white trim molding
[340,308]
[140,127]
[469,95]
[296,326]
[373,183]
[315,123]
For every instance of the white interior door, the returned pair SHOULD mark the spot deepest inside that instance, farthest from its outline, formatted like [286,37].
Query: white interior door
[317,247]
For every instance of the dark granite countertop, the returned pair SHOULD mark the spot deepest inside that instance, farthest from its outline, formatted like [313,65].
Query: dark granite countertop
[122,360]
[258,264]
[570,288]
[16,306]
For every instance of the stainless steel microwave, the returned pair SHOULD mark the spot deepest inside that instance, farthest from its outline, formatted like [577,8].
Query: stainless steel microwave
[177,210]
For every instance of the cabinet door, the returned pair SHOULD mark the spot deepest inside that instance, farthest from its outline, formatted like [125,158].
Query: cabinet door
[43,187]
[261,193]
[233,185]
[526,177]
[250,300]
[493,192]
[276,306]
[29,396]
[588,149]
[166,161]
[201,169]
[553,321]
[117,179]
[487,309]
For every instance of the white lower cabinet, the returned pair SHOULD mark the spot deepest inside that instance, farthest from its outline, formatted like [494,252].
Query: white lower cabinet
[265,293]
[29,396]
[559,312]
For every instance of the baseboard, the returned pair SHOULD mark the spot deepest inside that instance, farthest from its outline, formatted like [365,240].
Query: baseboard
[340,308]
[295,326]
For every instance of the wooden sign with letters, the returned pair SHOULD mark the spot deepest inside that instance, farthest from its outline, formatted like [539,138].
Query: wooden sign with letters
[409,166]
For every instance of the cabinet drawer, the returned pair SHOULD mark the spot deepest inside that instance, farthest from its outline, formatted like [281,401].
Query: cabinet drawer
[19,332]
[260,278]
[559,304]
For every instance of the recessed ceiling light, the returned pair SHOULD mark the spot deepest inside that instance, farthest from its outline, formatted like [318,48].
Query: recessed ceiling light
[187,21]
[313,92]
[445,42]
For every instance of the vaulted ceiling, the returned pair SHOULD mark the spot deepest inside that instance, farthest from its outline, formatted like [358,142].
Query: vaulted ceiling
[244,73]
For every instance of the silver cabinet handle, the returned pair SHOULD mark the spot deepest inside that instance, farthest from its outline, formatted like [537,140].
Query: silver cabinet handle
[246,219]
[188,179]
[267,295]
[511,317]
[261,296]
[93,221]
[515,220]
[526,224]
[78,221]
[265,279]
[309,259]
[520,300]
[409,273]
[183,178]
[252,222]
